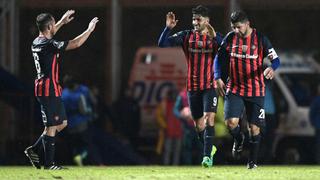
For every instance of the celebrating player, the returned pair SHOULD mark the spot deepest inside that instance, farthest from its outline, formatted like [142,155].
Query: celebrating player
[200,46]
[241,57]
[46,53]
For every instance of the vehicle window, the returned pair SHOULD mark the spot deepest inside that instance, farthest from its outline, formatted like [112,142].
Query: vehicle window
[148,58]
[302,86]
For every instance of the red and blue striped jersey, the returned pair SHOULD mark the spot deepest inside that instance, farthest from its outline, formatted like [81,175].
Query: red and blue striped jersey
[244,62]
[199,50]
[46,58]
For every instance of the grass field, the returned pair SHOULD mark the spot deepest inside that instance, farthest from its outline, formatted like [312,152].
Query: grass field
[163,172]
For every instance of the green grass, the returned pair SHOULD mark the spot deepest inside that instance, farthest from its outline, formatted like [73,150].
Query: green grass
[164,172]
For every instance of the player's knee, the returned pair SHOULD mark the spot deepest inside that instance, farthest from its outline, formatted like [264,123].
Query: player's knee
[200,125]
[231,124]
[51,131]
[255,130]
[62,126]
[209,119]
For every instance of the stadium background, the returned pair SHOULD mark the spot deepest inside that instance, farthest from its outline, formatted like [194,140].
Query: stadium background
[106,62]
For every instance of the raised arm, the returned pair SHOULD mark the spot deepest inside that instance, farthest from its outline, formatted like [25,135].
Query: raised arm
[66,18]
[171,22]
[79,40]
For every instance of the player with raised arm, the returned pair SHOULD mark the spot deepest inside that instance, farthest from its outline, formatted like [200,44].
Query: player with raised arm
[240,58]
[200,45]
[46,52]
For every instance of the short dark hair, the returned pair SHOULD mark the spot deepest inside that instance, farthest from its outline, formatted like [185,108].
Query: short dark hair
[43,21]
[201,10]
[238,16]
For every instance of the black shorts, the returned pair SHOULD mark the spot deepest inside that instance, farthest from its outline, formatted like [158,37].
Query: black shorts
[254,106]
[202,101]
[52,111]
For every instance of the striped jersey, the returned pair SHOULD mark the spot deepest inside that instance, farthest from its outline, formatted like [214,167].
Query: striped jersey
[46,59]
[244,58]
[200,51]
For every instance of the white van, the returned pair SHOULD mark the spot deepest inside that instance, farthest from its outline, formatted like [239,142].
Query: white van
[154,71]
[294,87]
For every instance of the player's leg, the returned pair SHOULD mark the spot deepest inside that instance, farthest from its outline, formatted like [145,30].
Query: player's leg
[196,108]
[256,117]
[33,151]
[233,108]
[56,121]
[210,103]
[49,146]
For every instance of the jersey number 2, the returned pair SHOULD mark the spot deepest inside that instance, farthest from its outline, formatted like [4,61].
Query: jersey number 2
[36,62]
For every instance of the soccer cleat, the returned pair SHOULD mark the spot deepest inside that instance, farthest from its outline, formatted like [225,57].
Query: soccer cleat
[213,152]
[54,167]
[237,147]
[33,157]
[78,160]
[206,162]
[251,165]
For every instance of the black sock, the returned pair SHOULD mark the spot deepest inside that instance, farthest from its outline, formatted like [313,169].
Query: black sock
[236,133]
[200,136]
[254,148]
[38,142]
[208,140]
[49,149]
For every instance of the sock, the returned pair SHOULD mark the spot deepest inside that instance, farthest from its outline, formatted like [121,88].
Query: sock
[254,148]
[35,145]
[200,136]
[208,140]
[49,149]
[236,133]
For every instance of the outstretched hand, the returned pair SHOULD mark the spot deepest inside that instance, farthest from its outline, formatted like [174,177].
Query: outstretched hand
[93,23]
[171,20]
[66,18]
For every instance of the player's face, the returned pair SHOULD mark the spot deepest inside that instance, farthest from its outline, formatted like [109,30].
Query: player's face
[199,22]
[240,28]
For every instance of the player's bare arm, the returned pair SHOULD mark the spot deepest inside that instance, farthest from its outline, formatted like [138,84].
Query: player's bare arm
[79,40]
[66,18]
[221,87]
[211,31]
[171,20]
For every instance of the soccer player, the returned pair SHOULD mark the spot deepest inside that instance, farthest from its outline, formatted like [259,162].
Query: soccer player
[46,52]
[241,57]
[200,45]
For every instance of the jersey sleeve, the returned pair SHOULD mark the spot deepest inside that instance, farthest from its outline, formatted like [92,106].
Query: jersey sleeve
[268,50]
[219,38]
[176,39]
[58,46]
[221,61]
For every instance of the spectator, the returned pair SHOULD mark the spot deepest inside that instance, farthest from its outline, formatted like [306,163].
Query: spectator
[190,141]
[173,133]
[77,101]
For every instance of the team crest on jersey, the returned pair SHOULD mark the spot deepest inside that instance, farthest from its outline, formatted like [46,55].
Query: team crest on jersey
[244,48]
[200,44]
[58,44]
